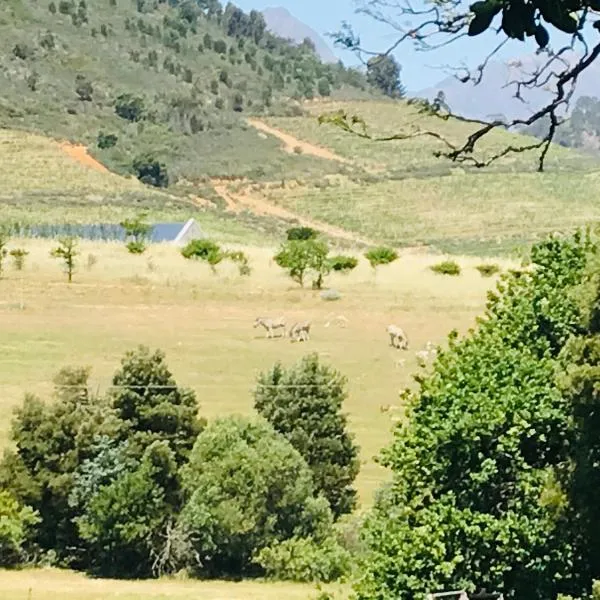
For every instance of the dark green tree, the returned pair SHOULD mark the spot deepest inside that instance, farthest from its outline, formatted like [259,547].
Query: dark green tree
[383,73]
[304,404]
[301,257]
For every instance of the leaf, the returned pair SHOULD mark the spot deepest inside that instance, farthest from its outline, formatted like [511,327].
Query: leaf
[480,23]
[541,36]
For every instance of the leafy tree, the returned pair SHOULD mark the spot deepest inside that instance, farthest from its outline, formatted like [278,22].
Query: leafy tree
[123,520]
[150,171]
[3,252]
[300,257]
[67,251]
[304,404]
[138,230]
[203,250]
[247,488]
[381,256]
[323,87]
[147,399]
[16,525]
[476,501]
[50,440]
[130,107]
[18,255]
[383,73]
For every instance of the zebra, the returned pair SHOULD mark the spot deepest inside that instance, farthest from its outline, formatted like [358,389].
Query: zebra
[270,325]
[300,332]
[397,335]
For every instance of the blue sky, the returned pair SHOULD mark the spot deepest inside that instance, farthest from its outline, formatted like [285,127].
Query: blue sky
[419,69]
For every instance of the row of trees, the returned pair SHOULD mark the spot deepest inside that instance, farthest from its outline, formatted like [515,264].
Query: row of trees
[135,484]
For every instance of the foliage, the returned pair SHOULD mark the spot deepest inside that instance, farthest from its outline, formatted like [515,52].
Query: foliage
[247,488]
[474,501]
[343,263]
[67,251]
[18,255]
[106,140]
[381,255]
[488,269]
[446,267]
[16,524]
[304,404]
[150,171]
[303,559]
[383,73]
[147,399]
[302,233]
[139,230]
[129,107]
[124,519]
[241,260]
[300,257]
[3,251]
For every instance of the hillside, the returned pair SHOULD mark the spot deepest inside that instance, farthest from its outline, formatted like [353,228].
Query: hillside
[171,82]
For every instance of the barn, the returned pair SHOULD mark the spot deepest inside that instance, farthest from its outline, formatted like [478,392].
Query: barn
[178,234]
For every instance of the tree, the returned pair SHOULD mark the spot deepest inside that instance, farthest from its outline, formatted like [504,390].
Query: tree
[150,171]
[300,257]
[3,251]
[83,88]
[476,499]
[439,26]
[130,107]
[18,255]
[383,73]
[247,488]
[138,230]
[147,399]
[67,251]
[106,140]
[304,404]
[16,527]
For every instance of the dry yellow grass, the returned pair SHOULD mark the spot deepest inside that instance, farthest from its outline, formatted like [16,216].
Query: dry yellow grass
[54,584]
[204,323]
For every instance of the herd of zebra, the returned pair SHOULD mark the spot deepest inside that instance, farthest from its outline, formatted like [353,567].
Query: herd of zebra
[300,331]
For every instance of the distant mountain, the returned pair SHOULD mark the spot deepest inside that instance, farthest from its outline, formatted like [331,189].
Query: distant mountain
[490,98]
[282,23]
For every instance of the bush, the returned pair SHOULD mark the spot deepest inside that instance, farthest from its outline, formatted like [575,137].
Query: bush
[241,260]
[150,171]
[18,255]
[342,263]
[129,107]
[300,257]
[290,399]
[301,233]
[248,488]
[139,231]
[22,51]
[135,247]
[487,270]
[203,250]
[16,525]
[381,256]
[446,267]
[304,560]
[106,140]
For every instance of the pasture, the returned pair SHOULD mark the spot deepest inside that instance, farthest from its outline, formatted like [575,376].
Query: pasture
[203,321]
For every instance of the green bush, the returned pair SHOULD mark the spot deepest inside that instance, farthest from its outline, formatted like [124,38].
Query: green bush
[381,255]
[150,171]
[106,140]
[206,250]
[304,560]
[488,269]
[135,247]
[16,528]
[300,257]
[342,263]
[446,267]
[301,233]
[18,255]
[139,231]
[130,107]
[248,488]
[241,260]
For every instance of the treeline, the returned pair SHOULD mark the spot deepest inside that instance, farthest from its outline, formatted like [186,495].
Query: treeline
[134,483]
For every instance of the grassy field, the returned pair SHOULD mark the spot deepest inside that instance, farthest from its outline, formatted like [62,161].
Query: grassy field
[204,323]
[51,584]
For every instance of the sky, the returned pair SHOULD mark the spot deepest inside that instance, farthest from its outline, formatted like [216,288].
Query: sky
[419,69]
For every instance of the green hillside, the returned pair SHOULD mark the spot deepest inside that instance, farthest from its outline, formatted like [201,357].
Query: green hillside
[182,75]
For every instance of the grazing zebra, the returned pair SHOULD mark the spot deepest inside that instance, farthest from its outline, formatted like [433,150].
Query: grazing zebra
[397,335]
[300,332]
[270,325]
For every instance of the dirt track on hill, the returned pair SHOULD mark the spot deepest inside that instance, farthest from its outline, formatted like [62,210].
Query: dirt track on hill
[239,201]
[80,154]
[292,142]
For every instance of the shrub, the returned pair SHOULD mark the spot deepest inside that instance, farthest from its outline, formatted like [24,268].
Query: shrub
[130,107]
[106,140]
[241,260]
[135,247]
[381,256]
[487,270]
[18,255]
[304,560]
[297,149]
[67,250]
[16,524]
[139,231]
[83,88]
[247,488]
[290,399]
[342,263]
[22,51]
[302,233]
[203,250]
[446,267]
[300,257]
[3,251]
[150,171]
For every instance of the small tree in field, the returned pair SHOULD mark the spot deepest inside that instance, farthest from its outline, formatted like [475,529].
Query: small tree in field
[3,251]
[304,404]
[67,251]
[381,256]
[18,255]
[139,231]
[300,257]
